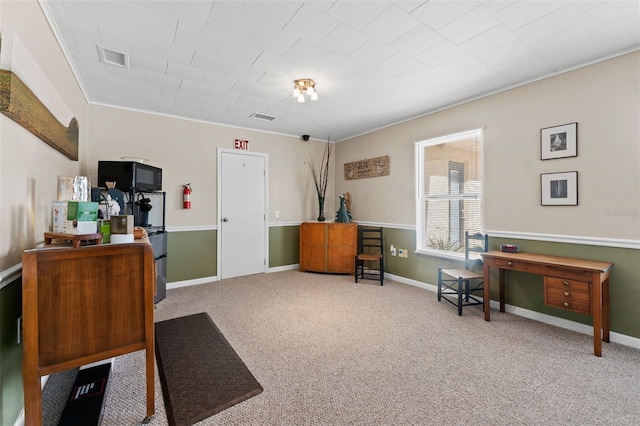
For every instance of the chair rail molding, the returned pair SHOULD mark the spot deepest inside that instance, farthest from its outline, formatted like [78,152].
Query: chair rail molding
[569,239]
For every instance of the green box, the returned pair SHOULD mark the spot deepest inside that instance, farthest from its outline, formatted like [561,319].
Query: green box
[82,211]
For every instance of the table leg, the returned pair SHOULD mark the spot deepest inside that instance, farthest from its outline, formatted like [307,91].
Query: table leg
[486,293]
[501,290]
[596,296]
[150,379]
[32,397]
[605,310]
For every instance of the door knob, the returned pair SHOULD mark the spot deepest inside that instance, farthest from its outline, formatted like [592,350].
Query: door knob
[226,219]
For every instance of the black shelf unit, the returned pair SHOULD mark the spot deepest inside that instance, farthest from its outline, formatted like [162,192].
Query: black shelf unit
[157,232]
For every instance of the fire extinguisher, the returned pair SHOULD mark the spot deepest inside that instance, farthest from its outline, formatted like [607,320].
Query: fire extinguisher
[186,196]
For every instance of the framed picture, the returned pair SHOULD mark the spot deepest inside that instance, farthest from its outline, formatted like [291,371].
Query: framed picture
[559,189]
[559,141]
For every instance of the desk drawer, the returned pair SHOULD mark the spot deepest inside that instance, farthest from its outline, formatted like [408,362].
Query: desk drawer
[566,294]
[511,264]
[566,284]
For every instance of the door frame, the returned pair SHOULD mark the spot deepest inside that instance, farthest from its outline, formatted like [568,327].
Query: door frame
[219,204]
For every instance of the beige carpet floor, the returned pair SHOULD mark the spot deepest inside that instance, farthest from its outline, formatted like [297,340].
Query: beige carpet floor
[331,352]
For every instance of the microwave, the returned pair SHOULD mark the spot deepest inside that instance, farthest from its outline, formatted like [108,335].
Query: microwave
[130,175]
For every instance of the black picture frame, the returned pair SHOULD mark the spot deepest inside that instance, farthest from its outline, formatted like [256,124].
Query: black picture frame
[559,189]
[559,141]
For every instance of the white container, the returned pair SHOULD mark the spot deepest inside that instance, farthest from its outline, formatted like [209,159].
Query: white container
[121,238]
[59,216]
[76,227]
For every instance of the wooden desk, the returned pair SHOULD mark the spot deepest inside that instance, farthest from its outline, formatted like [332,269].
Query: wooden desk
[576,285]
[82,305]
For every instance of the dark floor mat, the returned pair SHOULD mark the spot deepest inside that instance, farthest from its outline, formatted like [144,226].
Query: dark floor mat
[201,374]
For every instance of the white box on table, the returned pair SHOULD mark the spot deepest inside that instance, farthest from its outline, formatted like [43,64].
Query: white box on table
[79,227]
[59,216]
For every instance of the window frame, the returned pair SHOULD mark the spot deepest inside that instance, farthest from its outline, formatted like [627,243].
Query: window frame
[421,198]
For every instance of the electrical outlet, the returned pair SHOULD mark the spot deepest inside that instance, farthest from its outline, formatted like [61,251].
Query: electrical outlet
[393,250]
[405,253]
[19,330]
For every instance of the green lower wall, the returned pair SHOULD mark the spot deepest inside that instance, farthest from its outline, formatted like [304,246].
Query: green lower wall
[525,290]
[11,395]
[283,245]
[191,255]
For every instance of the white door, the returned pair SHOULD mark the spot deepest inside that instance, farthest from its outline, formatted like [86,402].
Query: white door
[242,213]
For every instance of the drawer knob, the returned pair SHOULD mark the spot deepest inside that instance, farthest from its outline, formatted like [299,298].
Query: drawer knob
[565,283]
[566,304]
[509,263]
[567,294]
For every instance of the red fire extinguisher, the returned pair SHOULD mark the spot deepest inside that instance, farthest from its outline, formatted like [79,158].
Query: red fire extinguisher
[186,196]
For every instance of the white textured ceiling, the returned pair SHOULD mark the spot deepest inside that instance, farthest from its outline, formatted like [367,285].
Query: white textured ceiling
[375,63]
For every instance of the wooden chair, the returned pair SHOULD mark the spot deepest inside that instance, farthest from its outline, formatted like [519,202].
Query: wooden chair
[462,283]
[370,250]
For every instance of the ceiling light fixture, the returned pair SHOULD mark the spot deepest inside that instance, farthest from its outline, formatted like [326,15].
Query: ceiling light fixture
[305,85]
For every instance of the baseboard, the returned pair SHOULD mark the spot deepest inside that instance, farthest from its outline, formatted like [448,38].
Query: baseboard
[284,268]
[188,283]
[614,337]
[205,280]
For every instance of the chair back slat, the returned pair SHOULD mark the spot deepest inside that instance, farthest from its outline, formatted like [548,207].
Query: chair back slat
[370,237]
[474,243]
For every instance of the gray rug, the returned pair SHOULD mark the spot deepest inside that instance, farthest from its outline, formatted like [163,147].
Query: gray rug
[200,373]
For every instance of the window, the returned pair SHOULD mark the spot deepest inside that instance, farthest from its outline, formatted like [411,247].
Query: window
[448,182]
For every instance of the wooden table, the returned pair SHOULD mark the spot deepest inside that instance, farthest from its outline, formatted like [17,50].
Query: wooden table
[82,305]
[576,285]
[75,239]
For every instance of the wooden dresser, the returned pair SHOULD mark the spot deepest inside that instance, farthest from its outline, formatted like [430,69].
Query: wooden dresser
[328,247]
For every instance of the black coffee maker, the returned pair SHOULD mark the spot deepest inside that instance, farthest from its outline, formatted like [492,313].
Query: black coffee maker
[144,206]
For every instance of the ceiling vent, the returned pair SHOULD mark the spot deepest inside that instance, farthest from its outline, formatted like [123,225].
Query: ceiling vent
[113,57]
[264,117]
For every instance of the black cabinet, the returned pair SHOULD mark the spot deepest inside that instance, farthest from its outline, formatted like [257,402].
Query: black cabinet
[148,210]
[159,244]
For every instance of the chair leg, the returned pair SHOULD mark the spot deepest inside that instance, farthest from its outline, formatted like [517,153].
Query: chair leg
[439,284]
[382,271]
[355,269]
[460,296]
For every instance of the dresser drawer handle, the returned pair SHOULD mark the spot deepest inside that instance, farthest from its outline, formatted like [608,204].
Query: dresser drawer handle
[567,294]
[510,263]
[566,304]
[565,283]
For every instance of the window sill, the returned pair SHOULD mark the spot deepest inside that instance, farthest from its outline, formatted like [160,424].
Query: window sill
[448,255]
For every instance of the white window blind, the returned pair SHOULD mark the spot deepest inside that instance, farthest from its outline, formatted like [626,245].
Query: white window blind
[449,175]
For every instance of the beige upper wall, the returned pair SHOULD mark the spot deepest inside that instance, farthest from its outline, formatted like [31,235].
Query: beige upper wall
[602,98]
[28,167]
[187,153]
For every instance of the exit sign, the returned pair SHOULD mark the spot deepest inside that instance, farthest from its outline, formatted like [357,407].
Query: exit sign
[241,144]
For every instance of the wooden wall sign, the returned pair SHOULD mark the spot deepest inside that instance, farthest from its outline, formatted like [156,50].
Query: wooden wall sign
[372,167]
[19,103]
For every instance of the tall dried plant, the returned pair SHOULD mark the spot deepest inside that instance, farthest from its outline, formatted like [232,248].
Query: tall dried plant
[321,175]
